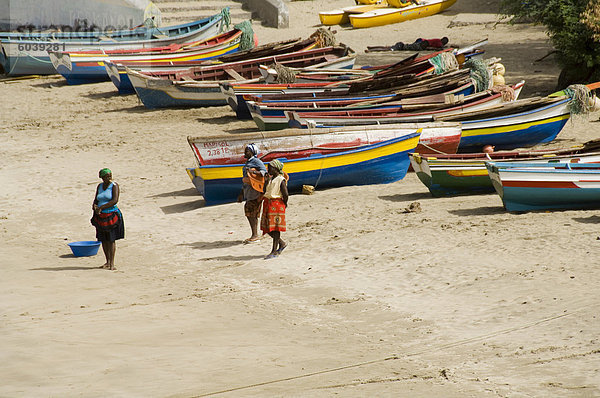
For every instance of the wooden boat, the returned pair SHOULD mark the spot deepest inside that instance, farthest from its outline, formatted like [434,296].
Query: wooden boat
[389,15]
[295,143]
[524,186]
[199,86]
[380,163]
[466,174]
[273,117]
[89,66]
[518,124]
[349,117]
[117,72]
[384,77]
[342,16]
[23,57]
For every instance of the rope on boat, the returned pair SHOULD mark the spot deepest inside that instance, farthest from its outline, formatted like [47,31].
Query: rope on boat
[581,99]
[508,93]
[324,38]
[247,39]
[284,74]
[444,62]
[480,74]
[226,18]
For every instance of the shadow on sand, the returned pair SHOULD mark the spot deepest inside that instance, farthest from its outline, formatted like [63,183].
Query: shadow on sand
[183,207]
[479,211]
[218,244]
[587,220]
[234,258]
[174,194]
[407,197]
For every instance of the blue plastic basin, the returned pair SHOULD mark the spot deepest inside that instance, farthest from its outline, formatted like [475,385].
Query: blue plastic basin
[84,248]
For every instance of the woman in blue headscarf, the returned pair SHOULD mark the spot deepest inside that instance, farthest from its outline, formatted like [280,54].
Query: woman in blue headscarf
[254,171]
[107,218]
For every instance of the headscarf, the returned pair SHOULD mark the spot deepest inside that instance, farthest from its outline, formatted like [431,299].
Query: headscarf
[277,164]
[253,148]
[104,172]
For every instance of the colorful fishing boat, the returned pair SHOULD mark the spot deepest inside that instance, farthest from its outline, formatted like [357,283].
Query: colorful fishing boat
[389,15]
[520,124]
[270,116]
[24,57]
[529,187]
[89,66]
[383,77]
[466,174]
[117,72]
[350,117]
[200,86]
[380,163]
[299,143]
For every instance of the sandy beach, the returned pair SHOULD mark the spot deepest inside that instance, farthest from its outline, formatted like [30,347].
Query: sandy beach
[462,299]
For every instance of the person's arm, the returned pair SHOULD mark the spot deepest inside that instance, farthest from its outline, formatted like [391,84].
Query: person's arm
[95,202]
[284,192]
[115,198]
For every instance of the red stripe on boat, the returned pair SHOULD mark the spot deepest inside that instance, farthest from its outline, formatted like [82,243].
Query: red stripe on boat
[540,184]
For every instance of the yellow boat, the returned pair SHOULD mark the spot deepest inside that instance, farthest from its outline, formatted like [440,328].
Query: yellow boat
[388,15]
[341,16]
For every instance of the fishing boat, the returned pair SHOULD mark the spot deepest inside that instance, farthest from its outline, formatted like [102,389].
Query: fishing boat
[389,15]
[466,173]
[380,163]
[89,66]
[518,124]
[117,72]
[349,117]
[524,186]
[25,57]
[200,86]
[342,16]
[272,116]
[298,143]
[383,77]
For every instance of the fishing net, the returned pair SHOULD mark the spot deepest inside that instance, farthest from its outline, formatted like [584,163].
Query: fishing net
[581,99]
[284,74]
[247,40]
[480,74]
[226,17]
[444,62]
[324,38]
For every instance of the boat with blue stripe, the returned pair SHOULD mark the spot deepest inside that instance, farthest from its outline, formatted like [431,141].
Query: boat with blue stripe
[89,66]
[524,186]
[381,163]
[30,57]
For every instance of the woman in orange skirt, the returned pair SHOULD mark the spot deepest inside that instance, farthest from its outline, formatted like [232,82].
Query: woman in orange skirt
[274,204]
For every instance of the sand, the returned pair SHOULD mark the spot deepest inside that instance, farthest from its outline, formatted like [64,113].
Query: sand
[459,300]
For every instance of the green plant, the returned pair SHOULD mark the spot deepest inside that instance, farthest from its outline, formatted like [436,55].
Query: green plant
[574,30]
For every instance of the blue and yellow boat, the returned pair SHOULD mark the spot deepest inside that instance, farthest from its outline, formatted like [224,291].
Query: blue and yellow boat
[380,163]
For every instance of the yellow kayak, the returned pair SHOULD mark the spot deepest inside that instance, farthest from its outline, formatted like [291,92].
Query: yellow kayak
[341,16]
[388,15]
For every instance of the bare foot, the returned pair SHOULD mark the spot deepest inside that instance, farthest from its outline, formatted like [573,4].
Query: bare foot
[105,266]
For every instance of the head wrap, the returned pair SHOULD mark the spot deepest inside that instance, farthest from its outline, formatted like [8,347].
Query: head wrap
[253,148]
[104,172]
[277,164]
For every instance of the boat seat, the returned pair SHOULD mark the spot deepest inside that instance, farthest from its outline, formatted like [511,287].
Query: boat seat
[159,36]
[234,74]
